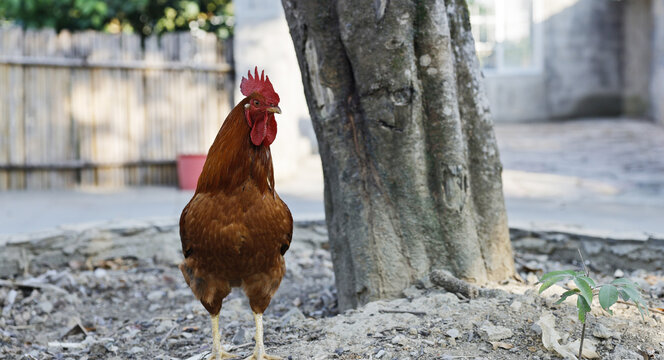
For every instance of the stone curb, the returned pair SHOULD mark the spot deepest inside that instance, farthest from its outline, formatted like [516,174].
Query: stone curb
[604,253]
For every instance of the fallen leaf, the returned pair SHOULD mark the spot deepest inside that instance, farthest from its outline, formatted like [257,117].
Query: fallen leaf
[502,345]
[550,336]
[75,326]
[589,348]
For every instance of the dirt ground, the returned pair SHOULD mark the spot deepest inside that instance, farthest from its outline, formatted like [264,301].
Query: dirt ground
[139,309]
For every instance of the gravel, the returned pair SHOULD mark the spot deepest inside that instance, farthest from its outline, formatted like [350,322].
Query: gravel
[138,308]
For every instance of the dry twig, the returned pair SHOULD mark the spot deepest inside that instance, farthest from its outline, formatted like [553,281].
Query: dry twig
[395,311]
[19,284]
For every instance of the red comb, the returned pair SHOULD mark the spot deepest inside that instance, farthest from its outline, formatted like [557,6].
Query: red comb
[261,85]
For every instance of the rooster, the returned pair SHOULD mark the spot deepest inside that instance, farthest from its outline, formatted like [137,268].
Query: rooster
[235,230]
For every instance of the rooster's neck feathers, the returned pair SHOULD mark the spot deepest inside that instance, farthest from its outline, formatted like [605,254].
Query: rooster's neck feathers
[233,159]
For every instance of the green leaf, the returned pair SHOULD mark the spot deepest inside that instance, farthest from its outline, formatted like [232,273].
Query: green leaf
[582,307]
[608,295]
[642,309]
[570,273]
[623,294]
[633,293]
[623,282]
[552,280]
[566,294]
[590,281]
[586,290]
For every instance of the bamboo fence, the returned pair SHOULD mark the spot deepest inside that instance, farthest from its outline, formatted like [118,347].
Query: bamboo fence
[96,109]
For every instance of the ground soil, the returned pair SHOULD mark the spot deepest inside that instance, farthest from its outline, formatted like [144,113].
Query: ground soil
[138,309]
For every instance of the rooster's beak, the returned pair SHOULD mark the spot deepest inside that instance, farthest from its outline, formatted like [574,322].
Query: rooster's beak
[274,109]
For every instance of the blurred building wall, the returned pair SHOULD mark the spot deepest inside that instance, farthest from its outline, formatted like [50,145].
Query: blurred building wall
[637,56]
[579,69]
[593,58]
[657,82]
[261,38]
[582,59]
[590,58]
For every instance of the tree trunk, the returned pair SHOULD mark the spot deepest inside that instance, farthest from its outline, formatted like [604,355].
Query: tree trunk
[411,164]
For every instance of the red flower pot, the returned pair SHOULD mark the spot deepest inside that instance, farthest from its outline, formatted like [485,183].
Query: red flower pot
[189,169]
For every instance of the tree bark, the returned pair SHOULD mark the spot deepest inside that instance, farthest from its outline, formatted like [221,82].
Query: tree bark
[411,165]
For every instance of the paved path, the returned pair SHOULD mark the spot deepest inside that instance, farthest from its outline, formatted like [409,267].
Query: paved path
[599,177]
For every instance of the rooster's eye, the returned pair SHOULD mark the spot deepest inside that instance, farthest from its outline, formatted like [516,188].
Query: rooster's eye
[255,102]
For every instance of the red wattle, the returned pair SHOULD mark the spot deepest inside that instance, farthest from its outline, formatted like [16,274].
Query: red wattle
[263,130]
[258,131]
[271,130]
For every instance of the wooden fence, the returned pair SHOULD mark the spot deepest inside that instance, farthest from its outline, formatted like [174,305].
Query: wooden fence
[95,109]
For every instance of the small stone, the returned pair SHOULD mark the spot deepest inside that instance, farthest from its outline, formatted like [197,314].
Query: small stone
[515,305]
[412,331]
[620,352]
[241,337]
[9,302]
[164,326]
[155,295]
[292,317]
[46,306]
[536,329]
[618,273]
[453,333]
[399,340]
[531,279]
[601,332]
[37,320]
[380,353]
[100,273]
[490,332]
[412,292]
[136,350]
[98,350]
[339,351]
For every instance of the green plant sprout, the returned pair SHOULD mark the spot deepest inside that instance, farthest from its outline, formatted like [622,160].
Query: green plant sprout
[586,289]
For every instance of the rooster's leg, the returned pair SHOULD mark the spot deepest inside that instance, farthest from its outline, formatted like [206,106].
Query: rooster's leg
[259,351]
[217,352]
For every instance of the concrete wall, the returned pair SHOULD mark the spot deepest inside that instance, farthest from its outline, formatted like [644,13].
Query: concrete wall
[262,39]
[582,56]
[517,97]
[657,80]
[637,56]
[593,58]
[580,69]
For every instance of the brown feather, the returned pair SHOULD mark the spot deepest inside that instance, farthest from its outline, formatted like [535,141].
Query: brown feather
[235,228]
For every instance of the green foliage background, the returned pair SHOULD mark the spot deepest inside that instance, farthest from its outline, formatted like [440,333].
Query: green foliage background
[145,17]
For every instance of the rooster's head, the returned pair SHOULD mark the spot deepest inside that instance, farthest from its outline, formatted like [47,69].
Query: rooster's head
[260,108]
